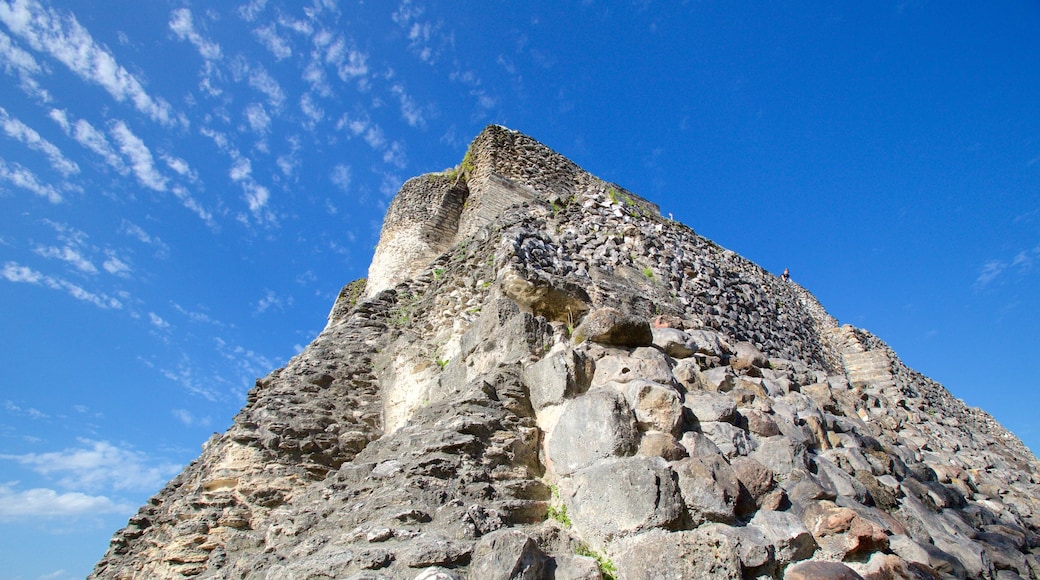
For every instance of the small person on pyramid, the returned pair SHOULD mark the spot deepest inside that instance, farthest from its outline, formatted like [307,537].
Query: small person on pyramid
[786,276]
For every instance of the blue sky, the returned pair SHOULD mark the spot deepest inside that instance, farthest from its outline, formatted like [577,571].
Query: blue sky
[184,187]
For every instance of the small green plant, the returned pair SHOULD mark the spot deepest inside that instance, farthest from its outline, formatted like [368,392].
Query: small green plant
[441,362]
[606,566]
[438,273]
[612,194]
[648,272]
[557,510]
[466,167]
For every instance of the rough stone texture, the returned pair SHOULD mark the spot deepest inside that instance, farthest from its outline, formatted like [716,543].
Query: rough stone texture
[623,496]
[677,555]
[442,425]
[594,427]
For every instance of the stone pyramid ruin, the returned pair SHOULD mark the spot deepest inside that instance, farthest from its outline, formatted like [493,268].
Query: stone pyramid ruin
[543,378]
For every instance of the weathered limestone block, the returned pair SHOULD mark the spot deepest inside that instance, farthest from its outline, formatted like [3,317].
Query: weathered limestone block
[732,440]
[574,567]
[597,425]
[508,555]
[661,444]
[622,496]
[611,326]
[652,366]
[674,342]
[720,379]
[792,541]
[780,454]
[702,553]
[708,406]
[756,478]
[656,406]
[562,374]
[747,355]
[709,487]
[751,546]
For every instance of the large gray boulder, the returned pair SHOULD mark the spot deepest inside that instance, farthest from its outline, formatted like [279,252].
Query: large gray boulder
[611,326]
[660,555]
[508,555]
[622,496]
[595,426]
[562,374]
[709,487]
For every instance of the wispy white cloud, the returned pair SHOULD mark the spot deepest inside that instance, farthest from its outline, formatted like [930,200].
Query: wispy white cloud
[190,379]
[425,38]
[19,131]
[180,167]
[1021,263]
[250,10]
[340,177]
[68,254]
[288,162]
[189,419]
[15,272]
[241,167]
[158,321]
[270,300]
[194,206]
[116,266]
[37,503]
[262,81]
[66,40]
[257,197]
[30,412]
[86,135]
[311,110]
[394,155]
[135,231]
[140,157]
[20,176]
[182,24]
[411,112]
[299,26]
[257,118]
[16,61]
[277,45]
[196,316]
[96,465]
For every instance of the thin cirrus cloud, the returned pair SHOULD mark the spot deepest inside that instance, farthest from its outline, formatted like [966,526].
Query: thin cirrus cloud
[67,41]
[140,157]
[15,272]
[182,24]
[273,42]
[28,136]
[994,269]
[89,137]
[18,62]
[24,178]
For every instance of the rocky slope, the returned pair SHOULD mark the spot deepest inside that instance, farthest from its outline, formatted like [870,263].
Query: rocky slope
[544,378]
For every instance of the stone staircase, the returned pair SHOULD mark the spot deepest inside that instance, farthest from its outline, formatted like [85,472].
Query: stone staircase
[868,368]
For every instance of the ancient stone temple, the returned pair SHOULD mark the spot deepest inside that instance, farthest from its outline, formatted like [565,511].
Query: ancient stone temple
[542,377]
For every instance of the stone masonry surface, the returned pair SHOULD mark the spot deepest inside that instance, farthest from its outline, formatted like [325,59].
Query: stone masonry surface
[544,378]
